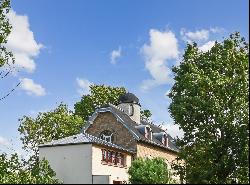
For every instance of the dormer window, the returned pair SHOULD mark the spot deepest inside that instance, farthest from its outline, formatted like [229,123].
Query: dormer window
[148,133]
[165,140]
[162,137]
[107,136]
[145,130]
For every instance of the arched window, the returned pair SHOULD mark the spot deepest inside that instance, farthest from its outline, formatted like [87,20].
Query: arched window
[107,136]
[131,110]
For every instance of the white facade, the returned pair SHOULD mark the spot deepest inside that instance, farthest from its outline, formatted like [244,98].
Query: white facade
[72,163]
[115,173]
[82,164]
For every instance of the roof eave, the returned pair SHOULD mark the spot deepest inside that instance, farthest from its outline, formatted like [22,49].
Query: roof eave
[93,143]
[155,144]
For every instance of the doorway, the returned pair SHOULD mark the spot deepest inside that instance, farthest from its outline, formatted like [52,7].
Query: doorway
[117,182]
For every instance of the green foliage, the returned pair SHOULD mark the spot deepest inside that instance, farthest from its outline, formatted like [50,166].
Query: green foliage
[61,122]
[48,126]
[6,57]
[16,171]
[101,95]
[149,171]
[146,114]
[210,103]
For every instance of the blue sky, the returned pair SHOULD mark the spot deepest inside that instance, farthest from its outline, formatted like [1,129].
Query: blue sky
[58,42]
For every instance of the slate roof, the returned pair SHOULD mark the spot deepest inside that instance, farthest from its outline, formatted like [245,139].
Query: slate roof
[131,126]
[128,98]
[156,129]
[83,138]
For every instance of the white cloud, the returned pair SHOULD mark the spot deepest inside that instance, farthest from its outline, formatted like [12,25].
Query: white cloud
[22,43]
[173,130]
[217,30]
[207,46]
[114,55]
[83,86]
[199,35]
[202,37]
[4,142]
[31,87]
[162,47]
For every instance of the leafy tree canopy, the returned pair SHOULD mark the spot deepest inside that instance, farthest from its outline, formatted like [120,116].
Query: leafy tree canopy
[149,171]
[100,95]
[6,56]
[47,126]
[16,171]
[210,103]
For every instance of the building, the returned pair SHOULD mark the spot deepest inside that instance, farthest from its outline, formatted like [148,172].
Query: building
[111,139]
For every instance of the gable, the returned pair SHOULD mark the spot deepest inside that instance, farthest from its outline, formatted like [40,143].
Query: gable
[107,121]
[130,126]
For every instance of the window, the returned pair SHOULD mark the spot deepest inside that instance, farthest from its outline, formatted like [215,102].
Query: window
[109,156]
[148,133]
[165,140]
[107,136]
[131,110]
[104,155]
[113,158]
[122,160]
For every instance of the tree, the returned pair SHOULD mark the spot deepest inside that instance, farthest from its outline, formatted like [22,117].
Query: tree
[100,95]
[146,115]
[6,57]
[47,126]
[210,103]
[16,171]
[149,171]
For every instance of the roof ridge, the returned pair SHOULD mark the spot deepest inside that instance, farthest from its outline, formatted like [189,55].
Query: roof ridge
[117,107]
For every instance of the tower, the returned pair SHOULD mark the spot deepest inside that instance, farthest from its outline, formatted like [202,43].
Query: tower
[131,106]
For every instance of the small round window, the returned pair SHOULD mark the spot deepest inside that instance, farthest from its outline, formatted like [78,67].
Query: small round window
[107,136]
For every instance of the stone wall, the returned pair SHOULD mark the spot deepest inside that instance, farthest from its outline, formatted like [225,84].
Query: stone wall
[107,121]
[146,150]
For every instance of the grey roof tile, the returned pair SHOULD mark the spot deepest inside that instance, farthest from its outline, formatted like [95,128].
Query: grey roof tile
[132,125]
[81,139]
[128,122]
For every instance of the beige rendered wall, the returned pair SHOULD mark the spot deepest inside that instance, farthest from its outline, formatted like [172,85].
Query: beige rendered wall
[72,163]
[116,173]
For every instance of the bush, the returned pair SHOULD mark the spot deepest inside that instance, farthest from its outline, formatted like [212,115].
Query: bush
[149,171]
